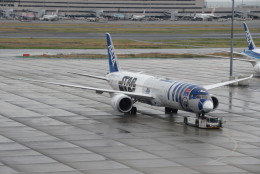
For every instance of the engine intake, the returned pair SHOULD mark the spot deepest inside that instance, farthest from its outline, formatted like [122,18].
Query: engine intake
[122,103]
[215,102]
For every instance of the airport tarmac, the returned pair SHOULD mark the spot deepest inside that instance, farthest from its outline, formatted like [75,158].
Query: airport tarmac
[59,130]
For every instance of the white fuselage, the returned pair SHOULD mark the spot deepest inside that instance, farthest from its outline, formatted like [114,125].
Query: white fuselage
[255,54]
[203,16]
[138,17]
[50,17]
[167,93]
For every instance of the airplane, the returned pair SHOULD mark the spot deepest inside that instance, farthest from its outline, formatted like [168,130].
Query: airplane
[252,53]
[137,17]
[97,13]
[52,17]
[130,87]
[118,16]
[175,15]
[204,16]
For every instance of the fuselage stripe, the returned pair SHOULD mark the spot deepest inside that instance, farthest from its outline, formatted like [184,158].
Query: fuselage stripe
[252,54]
[177,93]
[173,92]
[181,94]
[170,90]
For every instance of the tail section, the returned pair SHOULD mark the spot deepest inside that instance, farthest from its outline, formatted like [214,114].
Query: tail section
[213,11]
[112,59]
[57,12]
[250,42]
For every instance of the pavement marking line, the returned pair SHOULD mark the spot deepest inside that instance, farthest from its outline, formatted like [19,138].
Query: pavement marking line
[236,144]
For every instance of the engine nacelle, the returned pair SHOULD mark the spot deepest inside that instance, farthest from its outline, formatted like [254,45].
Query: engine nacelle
[215,101]
[257,68]
[122,103]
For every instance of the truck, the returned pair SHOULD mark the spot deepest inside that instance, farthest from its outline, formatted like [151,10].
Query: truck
[204,122]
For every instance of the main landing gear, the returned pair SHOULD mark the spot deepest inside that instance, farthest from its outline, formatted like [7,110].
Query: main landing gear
[170,110]
[132,111]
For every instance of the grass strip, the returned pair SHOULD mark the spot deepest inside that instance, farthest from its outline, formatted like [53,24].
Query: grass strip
[143,55]
[121,28]
[35,43]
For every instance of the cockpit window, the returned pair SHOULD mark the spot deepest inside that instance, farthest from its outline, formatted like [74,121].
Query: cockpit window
[198,93]
[200,96]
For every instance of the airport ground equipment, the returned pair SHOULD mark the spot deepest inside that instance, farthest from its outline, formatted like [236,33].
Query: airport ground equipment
[205,121]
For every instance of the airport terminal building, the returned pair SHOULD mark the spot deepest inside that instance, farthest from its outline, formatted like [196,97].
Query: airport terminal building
[85,8]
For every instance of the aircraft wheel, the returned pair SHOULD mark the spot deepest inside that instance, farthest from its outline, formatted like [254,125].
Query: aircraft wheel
[197,123]
[133,111]
[170,110]
[174,111]
[167,110]
[185,120]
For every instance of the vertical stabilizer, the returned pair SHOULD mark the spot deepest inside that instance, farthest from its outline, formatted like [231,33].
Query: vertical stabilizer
[213,11]
[249,39]
[56,12]
[112,59]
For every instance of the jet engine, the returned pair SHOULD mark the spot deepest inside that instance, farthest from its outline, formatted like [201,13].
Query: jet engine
[215,101]
[257,67]
[122,103]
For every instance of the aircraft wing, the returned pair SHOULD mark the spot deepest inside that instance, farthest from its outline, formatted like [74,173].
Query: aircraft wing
[233,52]
[88,75]
[208,87]
[234,58]
[98,90]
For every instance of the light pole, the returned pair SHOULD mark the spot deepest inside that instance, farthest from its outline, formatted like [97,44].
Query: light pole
[232,42]
[150,8]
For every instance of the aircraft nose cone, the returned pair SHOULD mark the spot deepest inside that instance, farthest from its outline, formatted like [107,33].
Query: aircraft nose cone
[207,106]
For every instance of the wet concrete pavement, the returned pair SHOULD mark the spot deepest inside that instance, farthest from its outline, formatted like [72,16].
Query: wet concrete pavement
[52,129]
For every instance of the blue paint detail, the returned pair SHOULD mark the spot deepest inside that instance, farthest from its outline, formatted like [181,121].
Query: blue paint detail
[200,106]
[252,54]
[191,88]
[198,91]
[181,94]
[173,92]
[165,80]
[112,59]
[249,38]
[170,90]
[202,100]
[201,103]
[177,93]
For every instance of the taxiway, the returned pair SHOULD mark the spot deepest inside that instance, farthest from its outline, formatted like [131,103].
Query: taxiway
[51,129]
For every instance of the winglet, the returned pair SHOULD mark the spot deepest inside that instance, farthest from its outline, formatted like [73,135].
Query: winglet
[250,42]
[112,58]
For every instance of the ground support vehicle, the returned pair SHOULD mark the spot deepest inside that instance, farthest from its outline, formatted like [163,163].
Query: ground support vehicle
[204,121]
